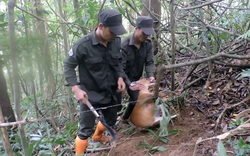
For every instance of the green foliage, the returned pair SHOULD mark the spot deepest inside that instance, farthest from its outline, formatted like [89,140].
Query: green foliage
[29,46]
[221,149]
[166,117]
[129,130]
[242,148]
[236,123]
[151,148]
[47,144]
[244,73]
[244,36]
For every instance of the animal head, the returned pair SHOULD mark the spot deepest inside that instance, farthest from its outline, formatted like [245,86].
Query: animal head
[146,83]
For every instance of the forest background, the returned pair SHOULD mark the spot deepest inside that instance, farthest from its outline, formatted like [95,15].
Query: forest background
[35,37]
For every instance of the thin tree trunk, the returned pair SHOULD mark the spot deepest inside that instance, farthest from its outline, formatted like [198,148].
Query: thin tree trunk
[49,89]
[45,52]
[70,105]
[10,78]
[76,8]
[11,4]
[31,75]
[210,62]
[5,136]
[152,8]
[5,104]
[172,23]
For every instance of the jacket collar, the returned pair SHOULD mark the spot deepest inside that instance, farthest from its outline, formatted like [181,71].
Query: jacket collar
[94,39]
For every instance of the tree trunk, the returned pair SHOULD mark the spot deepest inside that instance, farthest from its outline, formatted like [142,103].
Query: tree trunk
[44,52]
[5,136]
[49,89]
[70,105]
[5,104]
[152,8]
[172,23]
[7,111]
[30,69]
[11,5]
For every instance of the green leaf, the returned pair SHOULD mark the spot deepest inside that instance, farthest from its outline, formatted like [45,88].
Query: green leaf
[143,145]
[162,149]
[174,132]
[2,16]
[221,149]
[244,73]
[45,152]
[215,48]
[244,36]
[153,132]
[163,140]
[241,143]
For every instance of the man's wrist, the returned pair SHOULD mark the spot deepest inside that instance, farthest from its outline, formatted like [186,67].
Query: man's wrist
[120,78]
[74,88]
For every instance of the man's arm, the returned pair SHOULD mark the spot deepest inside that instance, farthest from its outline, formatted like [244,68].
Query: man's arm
[149,65]
[69,66]
[70,63]
[124,62]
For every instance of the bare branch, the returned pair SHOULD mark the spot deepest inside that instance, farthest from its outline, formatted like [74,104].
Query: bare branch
[202,5]
[228,108]
[212,57]
[23,122]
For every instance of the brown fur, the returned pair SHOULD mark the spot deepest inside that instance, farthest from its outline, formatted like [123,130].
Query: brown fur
[143,114]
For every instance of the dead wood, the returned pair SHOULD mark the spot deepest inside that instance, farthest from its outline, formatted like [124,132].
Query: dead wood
[228,108]
[233,132]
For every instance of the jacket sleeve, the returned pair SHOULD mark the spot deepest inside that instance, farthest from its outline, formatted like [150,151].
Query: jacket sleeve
[120,68]
[69,65]
[149,65]
[124,61]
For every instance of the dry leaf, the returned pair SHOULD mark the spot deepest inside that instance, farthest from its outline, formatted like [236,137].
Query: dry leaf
[230,70]
[216,102]
[223,136]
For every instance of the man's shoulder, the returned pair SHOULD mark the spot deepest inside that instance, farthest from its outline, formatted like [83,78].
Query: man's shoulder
[125,41]
[82,40]
[117,39]
[149,40]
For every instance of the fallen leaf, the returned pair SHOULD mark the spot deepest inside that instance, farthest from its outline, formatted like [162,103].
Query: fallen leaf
[224,128]
[216,102]
[223,136]
[230,70]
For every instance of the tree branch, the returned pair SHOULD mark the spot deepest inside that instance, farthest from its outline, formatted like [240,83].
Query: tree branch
[230,107]
[199,6]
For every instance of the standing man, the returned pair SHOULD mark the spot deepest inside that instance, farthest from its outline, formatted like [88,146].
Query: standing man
[137,53]
[98,58]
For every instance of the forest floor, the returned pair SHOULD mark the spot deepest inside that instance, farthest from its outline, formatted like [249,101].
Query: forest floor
[197,119]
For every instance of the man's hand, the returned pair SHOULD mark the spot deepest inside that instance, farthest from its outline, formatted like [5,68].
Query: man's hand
[121,85]
[136,86]
[151,79]
[80,95]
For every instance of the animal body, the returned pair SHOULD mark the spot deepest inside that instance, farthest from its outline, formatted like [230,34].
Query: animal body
[144,114]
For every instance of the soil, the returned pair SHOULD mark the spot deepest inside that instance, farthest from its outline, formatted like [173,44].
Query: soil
[196,121]
[192,125]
